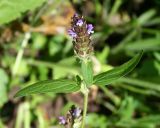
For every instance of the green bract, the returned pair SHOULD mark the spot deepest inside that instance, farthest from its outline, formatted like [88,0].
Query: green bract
[112,75]
[87,72]
[55,86]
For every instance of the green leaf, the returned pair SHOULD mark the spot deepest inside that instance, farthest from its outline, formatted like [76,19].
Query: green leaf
[141,83]
[55,86]
[145,17]
[112,75]
[151,44]
[12,9]
[87,72]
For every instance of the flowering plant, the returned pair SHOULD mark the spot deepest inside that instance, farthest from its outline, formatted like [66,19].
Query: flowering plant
[81,33]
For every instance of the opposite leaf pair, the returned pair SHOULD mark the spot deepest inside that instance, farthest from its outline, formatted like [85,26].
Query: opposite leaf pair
[68,86]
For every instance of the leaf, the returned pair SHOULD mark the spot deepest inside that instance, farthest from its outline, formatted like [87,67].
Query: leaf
[55,86]
[151,44]
[112,75]
[127,107]
[157,55]
[87,72]
[141,83]
[12,9]
[146,16]
[150,68]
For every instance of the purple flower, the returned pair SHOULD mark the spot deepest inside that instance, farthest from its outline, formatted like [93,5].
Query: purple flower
[62,120]
[72,33]
[75,15]
[77,112]
[90,29]
[79,22]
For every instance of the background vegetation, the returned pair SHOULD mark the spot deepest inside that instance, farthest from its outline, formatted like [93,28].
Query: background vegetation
[34,46]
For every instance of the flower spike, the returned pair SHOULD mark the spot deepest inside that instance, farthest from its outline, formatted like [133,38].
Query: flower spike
[81,33]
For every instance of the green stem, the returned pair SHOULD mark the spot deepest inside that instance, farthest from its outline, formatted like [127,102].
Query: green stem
[20,53]
[84,109]
[115,8]
[27,120]
[19,118]
[87,74]
[116,100]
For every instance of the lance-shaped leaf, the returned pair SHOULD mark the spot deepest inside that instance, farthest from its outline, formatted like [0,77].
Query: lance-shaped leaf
[55,86]
[113,74]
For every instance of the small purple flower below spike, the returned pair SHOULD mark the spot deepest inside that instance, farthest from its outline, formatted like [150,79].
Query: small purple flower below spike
[77,112]
[62,120]
[75,15]
[72,33]
[90,29]
[79,22]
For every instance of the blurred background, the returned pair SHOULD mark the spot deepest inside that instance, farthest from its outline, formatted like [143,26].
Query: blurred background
[35,46]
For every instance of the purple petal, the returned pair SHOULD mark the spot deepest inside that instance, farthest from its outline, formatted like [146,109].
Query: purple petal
[79,22]
[90,29]
[77,112]
[75,15]
[72,33]
[62,120]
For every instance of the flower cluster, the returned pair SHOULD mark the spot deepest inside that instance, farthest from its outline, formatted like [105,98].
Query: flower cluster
[73,114]
[81,32]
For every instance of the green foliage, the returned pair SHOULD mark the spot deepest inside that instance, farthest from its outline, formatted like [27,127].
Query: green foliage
[145,17]
[3,87]
[56,44]
[119,32]
[127,108]
[54,86]
[11,9]
[21,119]
[141,84]
[151,121]
[151,44]
[96,121]
[112,75]
[1,124]
[39,41]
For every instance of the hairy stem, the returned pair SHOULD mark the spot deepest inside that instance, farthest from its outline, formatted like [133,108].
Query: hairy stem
[84,109]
